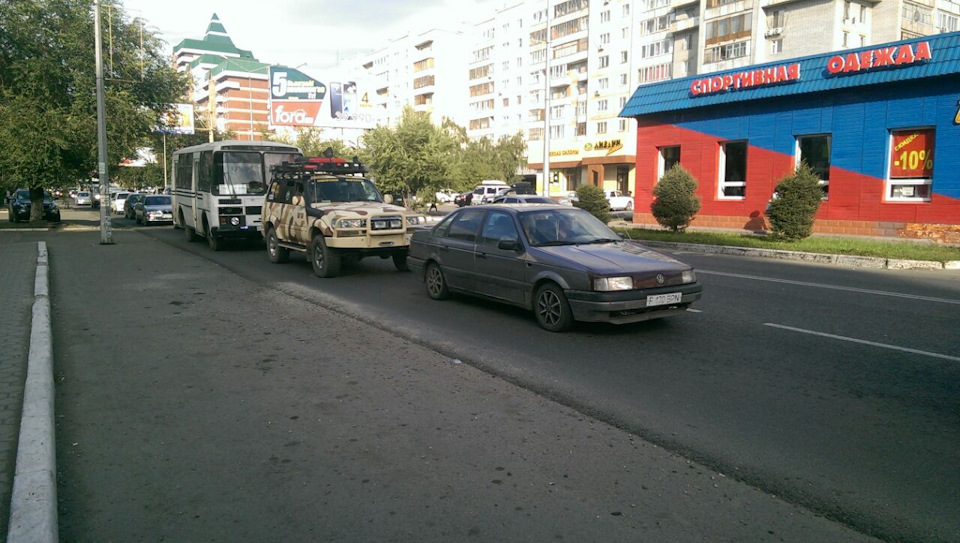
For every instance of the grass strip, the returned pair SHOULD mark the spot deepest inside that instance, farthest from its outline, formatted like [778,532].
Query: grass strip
[902,250]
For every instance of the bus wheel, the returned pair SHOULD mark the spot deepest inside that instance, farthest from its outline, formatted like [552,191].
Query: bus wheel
[325,261]
[212,240]
[275,252]
[188,232]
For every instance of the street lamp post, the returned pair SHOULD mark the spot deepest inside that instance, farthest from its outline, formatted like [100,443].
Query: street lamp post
[546,109]
[106,235]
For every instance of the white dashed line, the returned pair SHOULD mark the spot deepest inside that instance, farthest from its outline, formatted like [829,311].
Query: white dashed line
[863,342]
[834,287]
[694,310]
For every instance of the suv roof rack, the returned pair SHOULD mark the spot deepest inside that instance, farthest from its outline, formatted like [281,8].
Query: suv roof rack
[315,165]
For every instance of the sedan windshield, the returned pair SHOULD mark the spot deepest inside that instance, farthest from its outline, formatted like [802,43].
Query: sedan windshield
[564,227]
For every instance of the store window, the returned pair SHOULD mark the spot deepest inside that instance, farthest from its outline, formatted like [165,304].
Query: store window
[733,170]
[669,157]
[815,151]
[911,165]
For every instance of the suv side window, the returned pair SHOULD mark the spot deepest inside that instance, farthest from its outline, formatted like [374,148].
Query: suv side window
[274,191]
[465,225]
[498,225]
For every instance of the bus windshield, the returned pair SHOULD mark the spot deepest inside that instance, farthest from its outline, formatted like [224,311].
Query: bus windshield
[242,174]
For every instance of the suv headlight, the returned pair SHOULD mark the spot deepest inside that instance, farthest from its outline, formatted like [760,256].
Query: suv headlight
[689,277]
[607,284]
[352,223]
[415,221]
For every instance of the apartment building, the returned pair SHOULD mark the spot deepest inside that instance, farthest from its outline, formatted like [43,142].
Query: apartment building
[424,70]
[228,85]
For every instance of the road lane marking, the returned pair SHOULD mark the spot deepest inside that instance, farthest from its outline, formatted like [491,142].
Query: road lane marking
[835,287]
[694,310]
[863,342]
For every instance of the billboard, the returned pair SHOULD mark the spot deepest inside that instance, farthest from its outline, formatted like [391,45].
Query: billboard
[299,100]
[179,120]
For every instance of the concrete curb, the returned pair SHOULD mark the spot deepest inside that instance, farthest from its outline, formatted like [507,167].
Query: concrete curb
[841,260]
[33,506]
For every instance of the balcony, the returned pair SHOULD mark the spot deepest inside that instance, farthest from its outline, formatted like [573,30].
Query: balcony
[681,25]
[681,3]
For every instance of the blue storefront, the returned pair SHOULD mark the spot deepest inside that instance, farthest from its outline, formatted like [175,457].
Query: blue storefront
[880,124]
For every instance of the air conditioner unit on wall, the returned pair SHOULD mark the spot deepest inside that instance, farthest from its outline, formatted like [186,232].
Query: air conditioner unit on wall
[773,32]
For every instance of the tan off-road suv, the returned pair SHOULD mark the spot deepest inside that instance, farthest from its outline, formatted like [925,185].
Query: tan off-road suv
[327,209]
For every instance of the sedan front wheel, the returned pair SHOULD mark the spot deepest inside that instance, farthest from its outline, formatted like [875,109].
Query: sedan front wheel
[552,309]
[436,283]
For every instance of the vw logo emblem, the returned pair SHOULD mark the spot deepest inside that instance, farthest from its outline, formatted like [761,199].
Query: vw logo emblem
[660,279]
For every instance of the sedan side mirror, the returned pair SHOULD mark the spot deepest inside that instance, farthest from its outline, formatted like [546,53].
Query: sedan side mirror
[509,244]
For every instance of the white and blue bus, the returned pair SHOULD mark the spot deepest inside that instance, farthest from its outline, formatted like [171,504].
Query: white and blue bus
[218,188]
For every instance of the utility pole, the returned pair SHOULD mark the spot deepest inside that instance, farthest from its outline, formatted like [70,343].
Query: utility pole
[546,111]
[106,235]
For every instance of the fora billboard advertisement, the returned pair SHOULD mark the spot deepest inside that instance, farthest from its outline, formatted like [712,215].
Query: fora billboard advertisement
[299,100]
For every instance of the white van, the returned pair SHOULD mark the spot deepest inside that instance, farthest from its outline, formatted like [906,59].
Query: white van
[487,190]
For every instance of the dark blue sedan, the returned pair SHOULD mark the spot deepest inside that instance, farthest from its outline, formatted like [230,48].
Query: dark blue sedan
[560,262]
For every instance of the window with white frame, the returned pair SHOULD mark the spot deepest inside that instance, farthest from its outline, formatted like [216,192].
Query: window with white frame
[732,181]
[605,16]
[603,82]
[815,151]
[623,57]
[602,105]
[623,102]
[602,127]
[556,131]
[604,38]
[910,165]
[668,157]
[776,47]
[623,125]
[626,10]
[604,61]
[623,80]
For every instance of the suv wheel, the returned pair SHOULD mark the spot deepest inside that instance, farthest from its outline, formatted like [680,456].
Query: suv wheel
[551,308]
[275,252]
[436,283]
[400,261]
[325,261]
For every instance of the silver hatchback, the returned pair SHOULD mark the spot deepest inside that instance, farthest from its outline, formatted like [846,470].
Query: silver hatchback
[560,262]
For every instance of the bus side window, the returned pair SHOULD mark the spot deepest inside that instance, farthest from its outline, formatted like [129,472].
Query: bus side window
[205,172]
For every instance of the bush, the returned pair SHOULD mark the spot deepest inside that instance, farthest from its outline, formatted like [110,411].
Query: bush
[795,202]
[592,199]
[675,199]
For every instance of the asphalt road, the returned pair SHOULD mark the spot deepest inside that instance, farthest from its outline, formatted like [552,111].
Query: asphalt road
[833,388]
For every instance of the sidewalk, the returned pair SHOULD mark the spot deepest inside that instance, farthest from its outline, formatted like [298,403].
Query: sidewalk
[18,261]
[194,405]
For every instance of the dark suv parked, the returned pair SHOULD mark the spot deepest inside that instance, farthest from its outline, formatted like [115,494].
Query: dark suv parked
[19,207]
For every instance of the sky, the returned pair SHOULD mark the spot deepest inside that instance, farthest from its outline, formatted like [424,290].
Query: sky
[311,32]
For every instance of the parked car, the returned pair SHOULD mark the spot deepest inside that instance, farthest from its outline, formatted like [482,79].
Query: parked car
[445,196]
[152,209]
[523,199]
[18,207]
[568,199]
[463,199]
[129,203]
[116,202]
[84,198]
[619,202]
[487,190]
[563,264]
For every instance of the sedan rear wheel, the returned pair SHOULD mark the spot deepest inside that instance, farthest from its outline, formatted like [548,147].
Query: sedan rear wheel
[552,309]
[436,283]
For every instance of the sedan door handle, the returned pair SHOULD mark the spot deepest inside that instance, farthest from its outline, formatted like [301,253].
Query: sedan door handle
[444,248]
[481,255]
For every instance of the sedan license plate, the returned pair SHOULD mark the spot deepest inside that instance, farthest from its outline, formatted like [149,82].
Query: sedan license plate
[167,216]
[664,299]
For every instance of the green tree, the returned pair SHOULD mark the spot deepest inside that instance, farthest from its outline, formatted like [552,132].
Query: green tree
[312,143]
[48,127]
[476,160]
[675,199]
[795,203]
[413,157]
[592,199]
